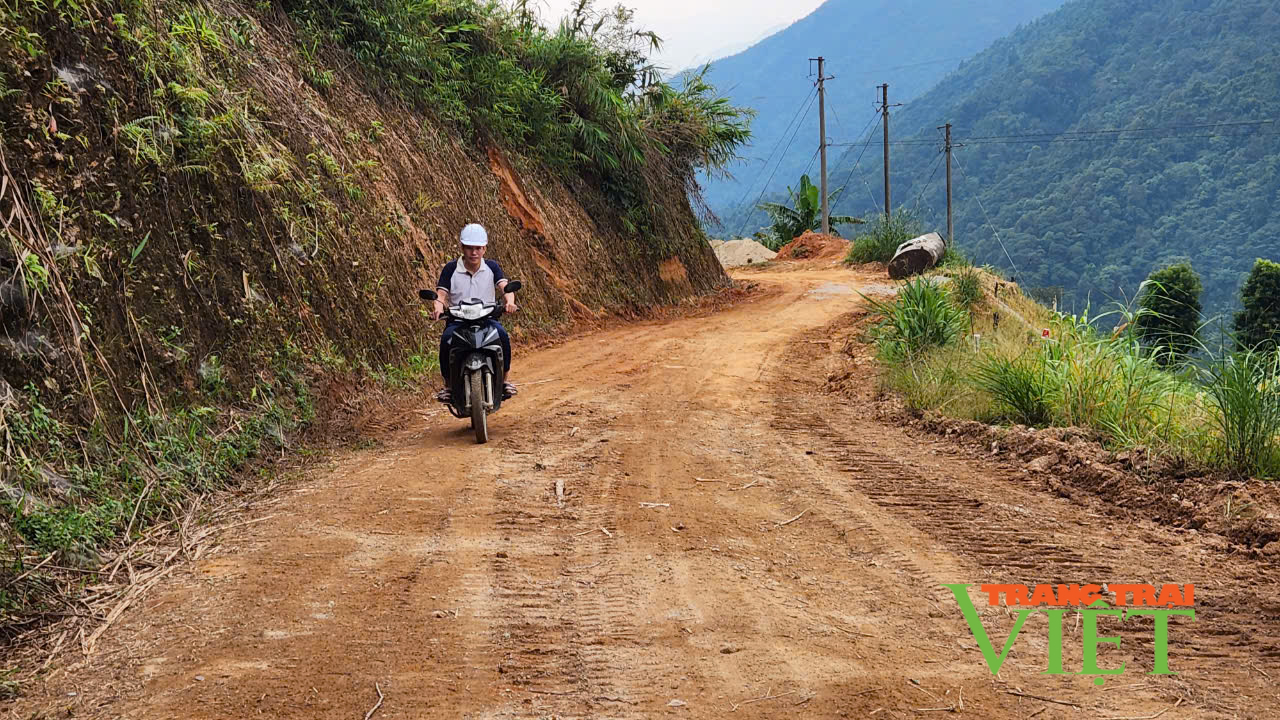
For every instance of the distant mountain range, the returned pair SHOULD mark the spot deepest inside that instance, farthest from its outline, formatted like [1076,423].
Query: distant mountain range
[1101,142]
[725,51]
[910,44]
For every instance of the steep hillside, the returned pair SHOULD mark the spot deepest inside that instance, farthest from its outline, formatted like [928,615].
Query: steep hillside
[1104,142]
[210,207]
[910,45]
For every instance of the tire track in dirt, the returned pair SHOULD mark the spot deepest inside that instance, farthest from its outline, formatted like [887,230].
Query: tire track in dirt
[561,607]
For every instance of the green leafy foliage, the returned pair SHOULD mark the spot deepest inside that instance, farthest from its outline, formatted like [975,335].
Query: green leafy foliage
[1170,317]
[884,236]
[116,487]
[693,124]
[922,317]
[583,97]
[1245,392]
[1022,389]
[1257,326]
[1227,415]
[804,214]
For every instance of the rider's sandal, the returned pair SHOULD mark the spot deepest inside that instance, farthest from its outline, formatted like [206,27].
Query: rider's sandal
[444,396]
[508,391]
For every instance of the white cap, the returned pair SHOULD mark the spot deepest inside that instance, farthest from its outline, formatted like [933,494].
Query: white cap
[474,235]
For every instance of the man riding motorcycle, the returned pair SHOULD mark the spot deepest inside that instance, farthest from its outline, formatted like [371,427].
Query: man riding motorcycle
[472,278]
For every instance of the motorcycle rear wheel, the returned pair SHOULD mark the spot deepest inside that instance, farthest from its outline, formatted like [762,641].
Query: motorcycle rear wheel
[479,416]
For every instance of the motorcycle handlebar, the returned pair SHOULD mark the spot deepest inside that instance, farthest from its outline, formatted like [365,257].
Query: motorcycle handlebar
[499,309]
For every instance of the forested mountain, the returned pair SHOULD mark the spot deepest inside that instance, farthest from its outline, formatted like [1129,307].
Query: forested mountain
[909,44]
[1105,140]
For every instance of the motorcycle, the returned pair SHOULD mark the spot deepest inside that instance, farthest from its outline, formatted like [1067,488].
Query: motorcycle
[476,374]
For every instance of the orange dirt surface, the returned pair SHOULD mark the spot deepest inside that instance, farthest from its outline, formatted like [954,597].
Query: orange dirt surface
[814,246]
[671,520]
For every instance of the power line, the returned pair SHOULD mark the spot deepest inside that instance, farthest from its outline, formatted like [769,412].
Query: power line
[874,116]
[1103,134]
[809,167]
[891,143]
[874,202]
[1046,140]
[837,117]
[909,66]
[937,164]
[747,216]
[799,109]
[1016,274]
[1172,136]
[1107,131]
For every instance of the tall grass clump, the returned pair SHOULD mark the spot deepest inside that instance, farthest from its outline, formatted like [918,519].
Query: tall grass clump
[1023,388]
[939,380]
[966,288]
[1244,392]
[922,317]
[1111,386]
[881,240]
[1040,368]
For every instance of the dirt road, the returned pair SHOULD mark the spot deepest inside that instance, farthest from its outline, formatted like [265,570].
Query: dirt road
[729,542]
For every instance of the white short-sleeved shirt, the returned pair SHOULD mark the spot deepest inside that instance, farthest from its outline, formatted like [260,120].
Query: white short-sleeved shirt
[464,286]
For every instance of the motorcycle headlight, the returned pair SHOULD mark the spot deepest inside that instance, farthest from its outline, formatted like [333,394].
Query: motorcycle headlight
[470,312]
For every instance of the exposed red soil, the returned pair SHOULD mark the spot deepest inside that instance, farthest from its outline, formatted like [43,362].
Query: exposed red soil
[674,519]
[814,246]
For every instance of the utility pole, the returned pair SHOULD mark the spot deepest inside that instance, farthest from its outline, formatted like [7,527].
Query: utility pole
[822,140]
[950,228]
[884,108]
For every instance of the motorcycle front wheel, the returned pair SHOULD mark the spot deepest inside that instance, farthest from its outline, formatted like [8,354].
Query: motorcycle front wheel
[479,418]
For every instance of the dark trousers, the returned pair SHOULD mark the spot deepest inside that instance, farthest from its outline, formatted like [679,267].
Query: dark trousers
[451,329]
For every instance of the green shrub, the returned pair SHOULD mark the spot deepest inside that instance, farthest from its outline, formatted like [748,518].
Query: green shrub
[1257,326]
[1244,389]
[582,97]
[921,317]
[1169,320]
[881,241]
[804,215]
[1023,388]
[955,258]
[319,78]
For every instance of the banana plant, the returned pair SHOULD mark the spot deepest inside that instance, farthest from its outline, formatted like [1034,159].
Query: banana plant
[803,214]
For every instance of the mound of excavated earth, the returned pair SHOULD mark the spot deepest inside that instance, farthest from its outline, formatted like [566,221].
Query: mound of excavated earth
[742,252]
[814,246]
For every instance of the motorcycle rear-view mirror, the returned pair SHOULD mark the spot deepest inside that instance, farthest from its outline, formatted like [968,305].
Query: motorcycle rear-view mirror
[513,286]
[427,294]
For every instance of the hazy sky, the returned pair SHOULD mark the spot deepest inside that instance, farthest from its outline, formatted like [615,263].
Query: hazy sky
[695,31]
